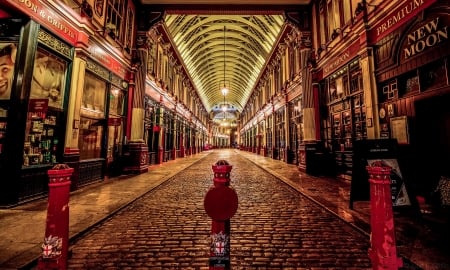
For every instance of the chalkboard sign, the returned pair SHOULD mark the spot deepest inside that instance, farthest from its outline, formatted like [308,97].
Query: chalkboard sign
[368,152]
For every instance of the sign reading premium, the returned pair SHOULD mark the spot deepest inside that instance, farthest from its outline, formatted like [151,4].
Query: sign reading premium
[397,17]
[428,35]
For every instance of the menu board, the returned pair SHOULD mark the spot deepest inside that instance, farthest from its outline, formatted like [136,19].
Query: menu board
[379,151]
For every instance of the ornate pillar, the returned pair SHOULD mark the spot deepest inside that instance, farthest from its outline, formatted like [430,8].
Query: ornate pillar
[137,150]
[310,102]
[370,94]
[71,150]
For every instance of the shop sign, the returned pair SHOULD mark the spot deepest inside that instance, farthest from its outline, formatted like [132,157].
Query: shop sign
[104,57]
[47,17]
[341,59]
[432,33]
[38,105]
[397,18]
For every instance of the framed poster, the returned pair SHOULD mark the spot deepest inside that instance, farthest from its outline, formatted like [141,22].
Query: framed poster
[49,76]
[399,195]
[7,61]
[399,129]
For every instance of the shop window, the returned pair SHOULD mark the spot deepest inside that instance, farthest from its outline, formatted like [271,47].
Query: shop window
[93,100]
[433,76]
[90,138]
[116,101]
[49,75]
[92,119]
[45,106]
[409,84]
[115,122]
[336,88]
[355,81]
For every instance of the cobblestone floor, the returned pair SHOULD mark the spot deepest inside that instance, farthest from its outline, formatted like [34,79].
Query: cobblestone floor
[275,227]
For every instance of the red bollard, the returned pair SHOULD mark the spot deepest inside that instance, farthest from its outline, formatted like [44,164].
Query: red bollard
[56,241]
[160,158]
[221,204]
[383,250]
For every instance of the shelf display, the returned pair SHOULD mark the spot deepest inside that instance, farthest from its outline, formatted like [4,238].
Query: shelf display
[41,143]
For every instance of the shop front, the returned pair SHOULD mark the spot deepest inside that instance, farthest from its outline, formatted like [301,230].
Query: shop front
[344,122]
[36,57]
[295,129]
[101,124]
[413,95]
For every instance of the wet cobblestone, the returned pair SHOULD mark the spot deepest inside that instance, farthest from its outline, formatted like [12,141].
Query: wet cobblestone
[275,227]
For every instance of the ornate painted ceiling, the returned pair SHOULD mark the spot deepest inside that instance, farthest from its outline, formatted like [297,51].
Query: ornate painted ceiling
[224,45]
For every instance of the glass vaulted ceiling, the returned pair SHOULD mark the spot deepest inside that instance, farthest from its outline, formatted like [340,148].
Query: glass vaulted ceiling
[204,42]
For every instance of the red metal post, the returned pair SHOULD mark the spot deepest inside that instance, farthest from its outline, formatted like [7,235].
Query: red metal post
[383,250]
[56,240]
[221,204]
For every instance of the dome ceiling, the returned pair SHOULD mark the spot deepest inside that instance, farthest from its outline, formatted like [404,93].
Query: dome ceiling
[224,50]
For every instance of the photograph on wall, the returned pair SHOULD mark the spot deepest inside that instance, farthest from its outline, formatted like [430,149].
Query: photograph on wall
[399,193]
[49,76]
[7,61]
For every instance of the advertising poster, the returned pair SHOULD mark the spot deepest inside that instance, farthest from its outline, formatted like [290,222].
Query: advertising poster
[379,151]
[399,194]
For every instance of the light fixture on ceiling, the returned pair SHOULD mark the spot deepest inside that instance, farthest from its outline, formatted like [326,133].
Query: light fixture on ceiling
[224,89]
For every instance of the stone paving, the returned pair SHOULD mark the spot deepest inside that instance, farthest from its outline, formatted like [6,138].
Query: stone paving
[423,244]
[275,227]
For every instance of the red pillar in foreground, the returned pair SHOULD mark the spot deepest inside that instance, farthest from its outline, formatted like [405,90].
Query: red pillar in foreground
[383,250]
[221,204]
[56,240]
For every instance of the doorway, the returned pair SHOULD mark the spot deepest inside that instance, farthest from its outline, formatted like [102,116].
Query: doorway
[431,141]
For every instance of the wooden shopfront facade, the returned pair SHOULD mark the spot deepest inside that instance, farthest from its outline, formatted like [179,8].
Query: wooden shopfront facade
[412,74]
[33,117]
[67,99]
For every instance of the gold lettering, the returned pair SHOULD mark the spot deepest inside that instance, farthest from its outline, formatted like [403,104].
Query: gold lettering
[432,25]
[394,19]
[424,37]
[30,5]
